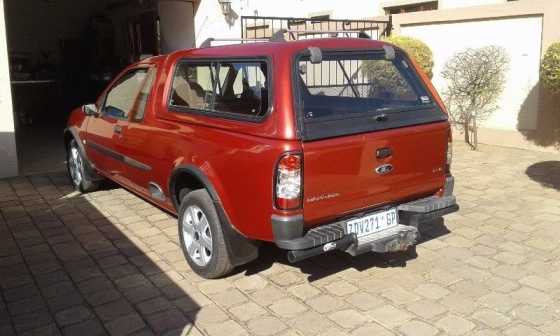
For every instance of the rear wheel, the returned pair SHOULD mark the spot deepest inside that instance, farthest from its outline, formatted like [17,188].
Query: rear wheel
[201,235]
[75,162]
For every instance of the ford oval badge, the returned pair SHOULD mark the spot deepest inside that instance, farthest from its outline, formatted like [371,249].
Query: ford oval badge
[384,169]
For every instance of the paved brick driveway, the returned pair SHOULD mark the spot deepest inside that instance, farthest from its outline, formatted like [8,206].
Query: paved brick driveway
[108,262]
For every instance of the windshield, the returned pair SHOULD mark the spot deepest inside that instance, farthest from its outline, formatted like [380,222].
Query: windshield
[348,85]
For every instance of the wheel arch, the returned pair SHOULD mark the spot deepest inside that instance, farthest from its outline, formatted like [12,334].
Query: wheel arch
[71,133]
[241,248]
[190,177]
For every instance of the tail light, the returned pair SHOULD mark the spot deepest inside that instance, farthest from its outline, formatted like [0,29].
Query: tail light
[288,186]
[449,158]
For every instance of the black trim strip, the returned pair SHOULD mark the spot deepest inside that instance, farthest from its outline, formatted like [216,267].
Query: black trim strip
[119,157]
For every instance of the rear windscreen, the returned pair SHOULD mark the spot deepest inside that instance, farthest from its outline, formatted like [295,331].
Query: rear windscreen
[353,92]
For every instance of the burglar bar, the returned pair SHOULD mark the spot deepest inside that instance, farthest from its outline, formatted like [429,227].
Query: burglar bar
[266,26]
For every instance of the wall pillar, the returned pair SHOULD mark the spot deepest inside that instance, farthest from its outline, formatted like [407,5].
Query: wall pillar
[8,153]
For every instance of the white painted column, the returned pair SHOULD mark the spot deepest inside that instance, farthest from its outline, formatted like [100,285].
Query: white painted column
[176,24]
[8,153]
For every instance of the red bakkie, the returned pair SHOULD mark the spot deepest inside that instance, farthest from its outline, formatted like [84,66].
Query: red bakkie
[316,145]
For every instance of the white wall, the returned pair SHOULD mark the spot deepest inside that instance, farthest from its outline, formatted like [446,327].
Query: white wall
[8,154]
[210,22]
[443,4]
[521,37]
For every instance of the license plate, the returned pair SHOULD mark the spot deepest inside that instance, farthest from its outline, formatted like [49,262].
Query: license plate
[372,223]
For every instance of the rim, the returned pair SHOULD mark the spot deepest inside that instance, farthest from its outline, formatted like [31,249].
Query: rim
[197,235]
[75,166]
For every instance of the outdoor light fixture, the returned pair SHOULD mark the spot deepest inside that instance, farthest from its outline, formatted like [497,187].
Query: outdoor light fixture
[226,6]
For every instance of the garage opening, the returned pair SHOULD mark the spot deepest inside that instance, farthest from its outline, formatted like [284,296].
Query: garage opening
[62,53]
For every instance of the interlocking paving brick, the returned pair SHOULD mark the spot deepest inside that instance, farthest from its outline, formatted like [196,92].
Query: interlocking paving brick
[341,288]
[455,325]
[427,309]
[265,326]
[538,282]
[228,328]
[521,330]
[112,310]
[390,316]
[535,316]
[491,318]
[208,315]
[365,301]
[287,308]
[228,298]
[86,328]
[498,301]
[325,303]
[267,295]
[73,315]
[398,295]
[418,328]
[532,296]
[492,268]
[304,291]
[372,329]
[102,297]
[125,325]
[348,318]
[155,305]
[287,278]
[247,311]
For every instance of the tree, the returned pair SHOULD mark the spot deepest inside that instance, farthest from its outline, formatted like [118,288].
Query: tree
[550,68]
[475,79]
[416,49]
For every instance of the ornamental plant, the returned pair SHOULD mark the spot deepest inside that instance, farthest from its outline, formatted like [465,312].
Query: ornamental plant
[416,49]
[550,68]
[475,81]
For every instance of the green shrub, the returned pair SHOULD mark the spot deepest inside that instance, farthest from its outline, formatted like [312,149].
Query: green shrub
[415,49]
[550,68]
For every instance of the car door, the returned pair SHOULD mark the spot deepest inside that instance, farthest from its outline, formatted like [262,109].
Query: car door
[105,131]
[136,140]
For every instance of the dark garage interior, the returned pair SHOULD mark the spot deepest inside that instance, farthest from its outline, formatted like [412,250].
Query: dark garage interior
[62,53]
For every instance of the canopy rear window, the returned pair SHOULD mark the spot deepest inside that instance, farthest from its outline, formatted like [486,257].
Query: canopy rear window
[360,91]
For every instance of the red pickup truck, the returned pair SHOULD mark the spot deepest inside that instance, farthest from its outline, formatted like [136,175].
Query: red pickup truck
[316,145]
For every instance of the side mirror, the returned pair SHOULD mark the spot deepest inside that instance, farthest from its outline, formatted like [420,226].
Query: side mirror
[90,110]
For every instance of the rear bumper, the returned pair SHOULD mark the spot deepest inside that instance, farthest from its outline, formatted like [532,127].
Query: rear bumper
[288,231]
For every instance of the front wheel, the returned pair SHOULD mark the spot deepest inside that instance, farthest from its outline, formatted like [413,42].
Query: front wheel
[201,235]
[75,162]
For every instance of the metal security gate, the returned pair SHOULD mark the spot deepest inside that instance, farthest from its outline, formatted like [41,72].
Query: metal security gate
[263,27]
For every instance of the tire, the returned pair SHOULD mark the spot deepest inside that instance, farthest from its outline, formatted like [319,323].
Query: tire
[75,163]
[201,235]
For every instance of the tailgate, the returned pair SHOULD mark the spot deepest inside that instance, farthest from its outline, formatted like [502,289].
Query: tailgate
[347,174]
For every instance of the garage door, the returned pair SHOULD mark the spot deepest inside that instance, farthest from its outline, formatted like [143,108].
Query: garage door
[521,37]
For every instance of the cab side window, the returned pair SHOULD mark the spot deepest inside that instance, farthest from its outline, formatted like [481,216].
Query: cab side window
[124,93]
[243,88]
[227,88]
[144,95]
[193,86]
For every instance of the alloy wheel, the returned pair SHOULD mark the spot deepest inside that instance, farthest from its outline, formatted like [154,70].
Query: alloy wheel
[75,166]
[197,235]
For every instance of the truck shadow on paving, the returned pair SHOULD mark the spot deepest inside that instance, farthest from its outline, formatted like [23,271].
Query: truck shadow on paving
[328,264]
[68,267]
[546,173]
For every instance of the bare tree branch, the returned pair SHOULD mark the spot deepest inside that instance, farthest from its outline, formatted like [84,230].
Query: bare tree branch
[475,79]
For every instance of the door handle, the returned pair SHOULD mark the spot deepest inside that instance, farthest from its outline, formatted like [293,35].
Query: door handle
[118,129]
